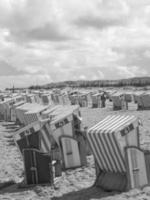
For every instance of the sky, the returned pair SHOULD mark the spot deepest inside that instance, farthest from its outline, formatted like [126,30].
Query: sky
[43,41]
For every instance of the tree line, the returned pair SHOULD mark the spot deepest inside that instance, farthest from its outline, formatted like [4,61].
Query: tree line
[136,82]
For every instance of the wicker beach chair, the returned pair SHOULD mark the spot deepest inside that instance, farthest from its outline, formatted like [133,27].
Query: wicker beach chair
[120,162]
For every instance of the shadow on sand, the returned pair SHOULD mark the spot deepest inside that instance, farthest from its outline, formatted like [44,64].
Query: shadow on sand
[12,187]
[86,194]
[90,193]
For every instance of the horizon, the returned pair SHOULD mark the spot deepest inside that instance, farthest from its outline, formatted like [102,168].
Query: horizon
[55,41]
[104,80]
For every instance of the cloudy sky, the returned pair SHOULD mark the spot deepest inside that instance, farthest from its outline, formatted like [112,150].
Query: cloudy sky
[55,40]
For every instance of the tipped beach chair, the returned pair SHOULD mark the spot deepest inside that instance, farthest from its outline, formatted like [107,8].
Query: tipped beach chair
[120,163]
[35,135]
[62,125]
[38,167]
[63,130]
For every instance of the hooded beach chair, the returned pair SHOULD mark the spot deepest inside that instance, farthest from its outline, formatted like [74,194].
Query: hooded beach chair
[118,100]
[138,100]
[35,135]
[46,99]
[120,163]
[64,121]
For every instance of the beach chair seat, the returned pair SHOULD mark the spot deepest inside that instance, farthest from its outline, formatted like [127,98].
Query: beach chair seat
[110,181]
[38,167]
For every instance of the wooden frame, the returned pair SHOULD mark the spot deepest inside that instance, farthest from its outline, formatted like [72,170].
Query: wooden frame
[63,158]
[130,174]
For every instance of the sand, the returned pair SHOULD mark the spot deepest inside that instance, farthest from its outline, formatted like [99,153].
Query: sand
[74,184]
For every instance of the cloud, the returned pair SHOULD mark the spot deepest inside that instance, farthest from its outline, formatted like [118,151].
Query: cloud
[33,20]
[48,32]
[53,40]
[100,23]
[106,14]
[8,70]
[138,57]
[129,72]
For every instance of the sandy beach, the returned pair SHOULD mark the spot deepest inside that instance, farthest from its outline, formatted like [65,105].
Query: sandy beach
[73,184]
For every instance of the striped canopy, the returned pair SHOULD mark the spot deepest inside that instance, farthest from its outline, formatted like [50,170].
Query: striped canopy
[104,141]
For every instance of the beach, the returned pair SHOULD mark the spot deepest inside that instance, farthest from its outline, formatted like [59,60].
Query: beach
[73,184]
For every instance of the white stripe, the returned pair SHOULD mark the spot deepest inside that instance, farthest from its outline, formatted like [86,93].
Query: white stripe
[109,123]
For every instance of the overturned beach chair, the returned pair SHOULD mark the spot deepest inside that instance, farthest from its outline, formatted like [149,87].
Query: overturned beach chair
[120,162]
[38,167]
